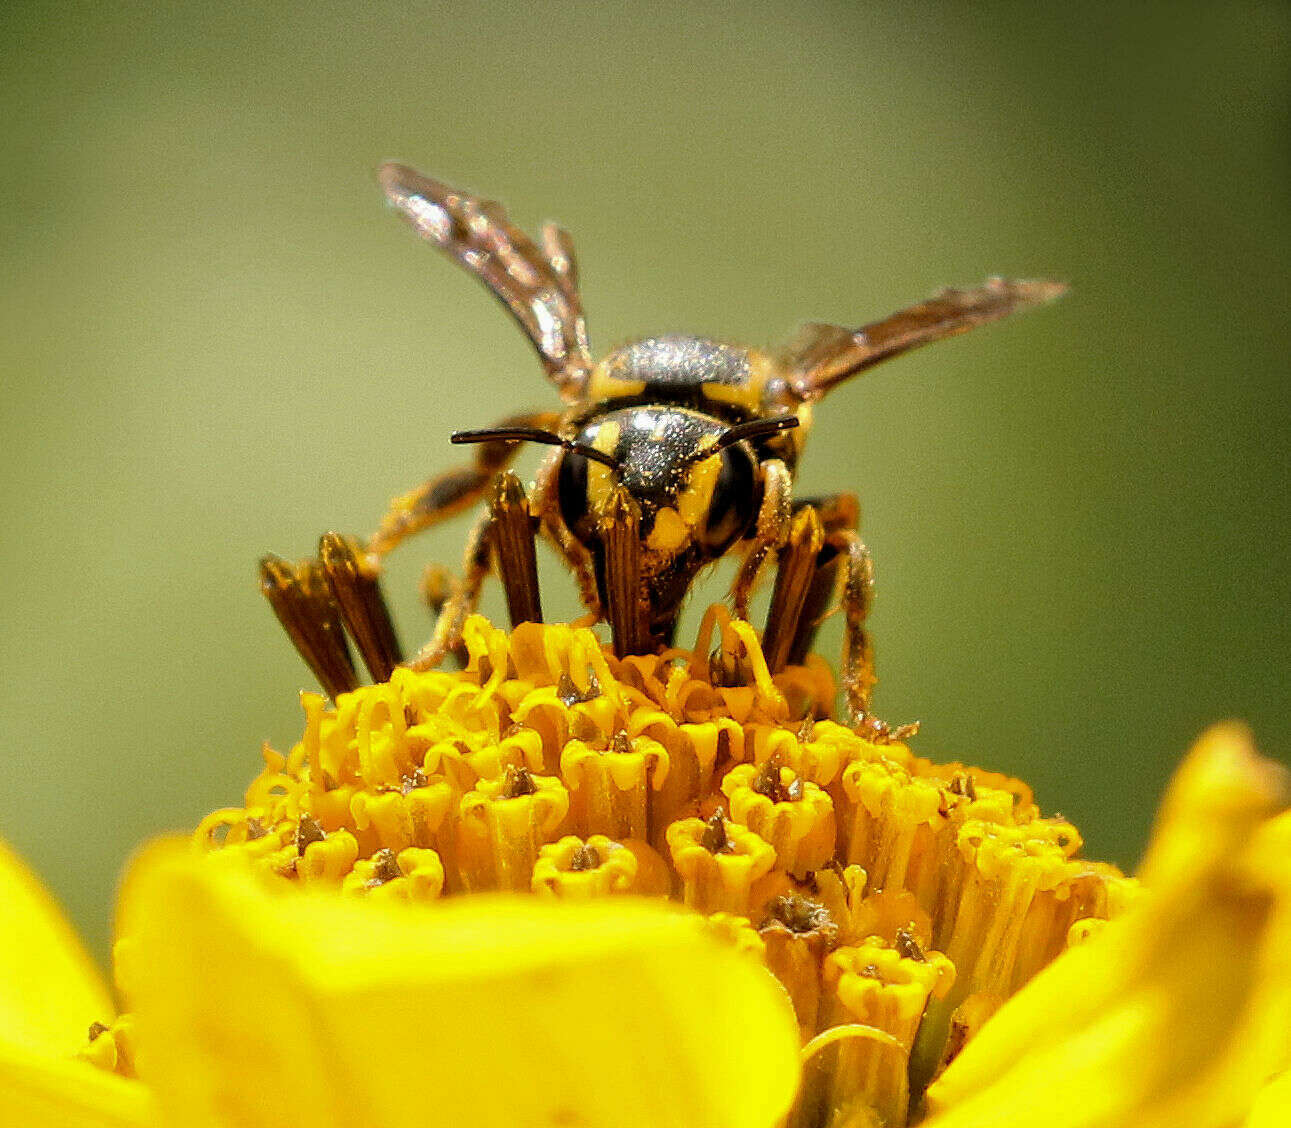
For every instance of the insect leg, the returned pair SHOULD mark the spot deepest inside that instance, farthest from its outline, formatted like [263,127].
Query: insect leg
[769,533]
[436,586]
[858,651]
[514,549]
[303,601]
[454,490]
[542,504]
[463,599]
[795,574]
[838,513]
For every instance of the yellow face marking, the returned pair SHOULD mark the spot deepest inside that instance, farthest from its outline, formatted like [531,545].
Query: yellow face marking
[669,534]
[697,496]
[675,528]
[600,479]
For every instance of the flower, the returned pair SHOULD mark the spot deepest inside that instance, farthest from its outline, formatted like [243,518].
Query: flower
[935,946]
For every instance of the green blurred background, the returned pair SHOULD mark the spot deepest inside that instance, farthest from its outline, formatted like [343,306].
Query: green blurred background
[215,340]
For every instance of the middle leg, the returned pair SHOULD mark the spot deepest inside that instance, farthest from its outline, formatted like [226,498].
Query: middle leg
[462,600]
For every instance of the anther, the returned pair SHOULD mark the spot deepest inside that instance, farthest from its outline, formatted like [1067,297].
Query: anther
[570,694]
[770,783]
[308,831]
[97,1029]
[722,675]
[518,782]
[412,781]
[584,858]
[767,781]
[799,914]
[255,829]
[513,547]
[385,867]
[620,743]
[714,838]
[907,946]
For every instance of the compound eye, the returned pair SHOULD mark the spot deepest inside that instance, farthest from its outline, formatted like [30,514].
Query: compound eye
[571,495]
[733,505]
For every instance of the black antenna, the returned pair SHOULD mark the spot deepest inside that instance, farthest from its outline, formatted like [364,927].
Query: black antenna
[754,429]
[535,435]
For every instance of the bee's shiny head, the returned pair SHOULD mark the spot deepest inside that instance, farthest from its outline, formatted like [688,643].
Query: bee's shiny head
[693,505]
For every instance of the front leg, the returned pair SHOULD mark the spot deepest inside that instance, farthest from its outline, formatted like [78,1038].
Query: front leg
[453,491]
[770,532]
[797,573]
[544,505]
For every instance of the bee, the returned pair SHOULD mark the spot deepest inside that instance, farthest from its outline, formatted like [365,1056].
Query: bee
[668,454]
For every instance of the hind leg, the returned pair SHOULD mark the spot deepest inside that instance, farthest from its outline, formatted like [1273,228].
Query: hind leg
[857,669]
[822,551]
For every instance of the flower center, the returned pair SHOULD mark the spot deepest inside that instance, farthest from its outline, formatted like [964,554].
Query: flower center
[884,891]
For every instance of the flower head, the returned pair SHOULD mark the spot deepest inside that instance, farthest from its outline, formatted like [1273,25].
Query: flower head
[919,936]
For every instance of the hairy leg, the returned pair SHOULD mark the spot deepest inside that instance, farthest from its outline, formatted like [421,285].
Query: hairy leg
[454,490]
[857,670]
[770,532]
[463,599]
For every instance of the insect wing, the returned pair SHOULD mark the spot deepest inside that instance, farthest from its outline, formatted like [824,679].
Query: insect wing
[825,355]
[536,285]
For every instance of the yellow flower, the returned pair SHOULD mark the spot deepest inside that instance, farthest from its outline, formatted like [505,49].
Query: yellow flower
[1178,1013]
[914,939]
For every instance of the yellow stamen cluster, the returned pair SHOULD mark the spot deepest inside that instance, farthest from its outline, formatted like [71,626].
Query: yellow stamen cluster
[899,902]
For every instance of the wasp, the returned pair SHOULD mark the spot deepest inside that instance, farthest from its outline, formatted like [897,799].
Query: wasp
[668,454]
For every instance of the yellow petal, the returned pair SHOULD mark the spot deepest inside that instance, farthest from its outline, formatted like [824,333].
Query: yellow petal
[1273,1104]
[494,1012]
[1176,1013]
[43,1091]
[50,991]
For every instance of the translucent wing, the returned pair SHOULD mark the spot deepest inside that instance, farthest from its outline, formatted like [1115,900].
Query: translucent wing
[539,285]
[825,355]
